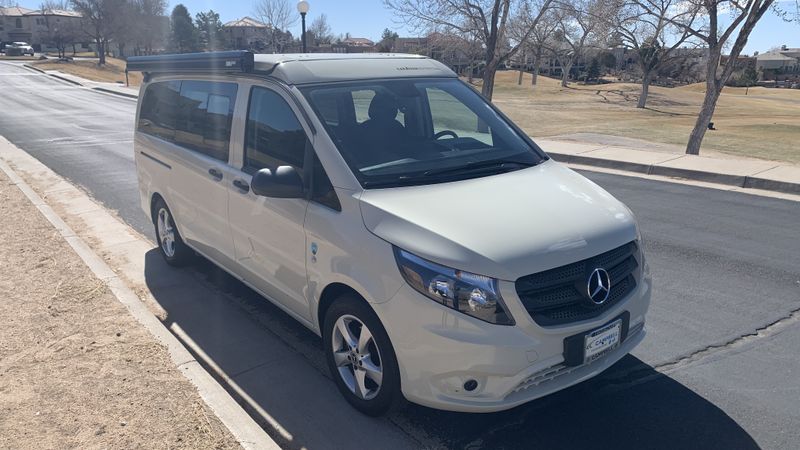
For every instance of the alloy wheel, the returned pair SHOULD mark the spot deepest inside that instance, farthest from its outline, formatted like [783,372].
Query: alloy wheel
[166,232]
[357,357]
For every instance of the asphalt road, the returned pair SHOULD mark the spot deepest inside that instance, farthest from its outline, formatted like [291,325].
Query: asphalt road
[720,367]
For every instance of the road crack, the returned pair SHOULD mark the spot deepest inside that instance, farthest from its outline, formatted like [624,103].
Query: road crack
[644,373]
[766,331]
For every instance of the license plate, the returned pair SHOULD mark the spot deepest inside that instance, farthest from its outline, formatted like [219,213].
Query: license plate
[601,341]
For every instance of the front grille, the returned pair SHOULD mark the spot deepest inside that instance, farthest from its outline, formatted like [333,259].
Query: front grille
[557,296]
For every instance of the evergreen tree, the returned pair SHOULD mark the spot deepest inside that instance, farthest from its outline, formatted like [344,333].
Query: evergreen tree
[388,39]
[209,30]
[183,34]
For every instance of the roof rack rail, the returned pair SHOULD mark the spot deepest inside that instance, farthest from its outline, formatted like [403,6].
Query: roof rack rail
[229,61]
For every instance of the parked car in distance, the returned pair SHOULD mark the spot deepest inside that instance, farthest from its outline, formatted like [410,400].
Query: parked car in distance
[441,255]
[24,48]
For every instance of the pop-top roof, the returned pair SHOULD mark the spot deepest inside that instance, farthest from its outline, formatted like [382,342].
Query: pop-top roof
[296,68]
[325,67]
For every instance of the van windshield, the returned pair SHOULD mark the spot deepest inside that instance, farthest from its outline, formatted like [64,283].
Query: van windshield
[418,131]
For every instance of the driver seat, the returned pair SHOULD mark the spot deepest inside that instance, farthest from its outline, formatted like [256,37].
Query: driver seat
[382,132]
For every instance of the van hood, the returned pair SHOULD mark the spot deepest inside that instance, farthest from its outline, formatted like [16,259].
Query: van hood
[503,226]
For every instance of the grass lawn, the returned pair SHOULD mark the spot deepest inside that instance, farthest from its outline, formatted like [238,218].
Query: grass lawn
[78,54]
[112,72]
[763,124]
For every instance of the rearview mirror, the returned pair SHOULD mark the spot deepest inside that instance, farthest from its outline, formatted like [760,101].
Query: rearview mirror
[284,182]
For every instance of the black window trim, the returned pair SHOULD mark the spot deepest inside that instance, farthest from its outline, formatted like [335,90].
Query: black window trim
[309,154]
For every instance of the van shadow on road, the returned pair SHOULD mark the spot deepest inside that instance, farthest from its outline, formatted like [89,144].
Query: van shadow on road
[275,368]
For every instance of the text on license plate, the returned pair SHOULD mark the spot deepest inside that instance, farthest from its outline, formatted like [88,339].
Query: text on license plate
[602,340]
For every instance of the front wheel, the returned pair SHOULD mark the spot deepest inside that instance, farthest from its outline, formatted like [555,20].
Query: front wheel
[360,357]
[172,247]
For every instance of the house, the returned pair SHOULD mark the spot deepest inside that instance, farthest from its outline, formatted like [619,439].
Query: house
[779,64]
[246,34]
[416,45]
[44,29]
[358,42]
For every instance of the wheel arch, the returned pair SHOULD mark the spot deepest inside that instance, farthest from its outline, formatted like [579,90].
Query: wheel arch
[328,297]
[153,199]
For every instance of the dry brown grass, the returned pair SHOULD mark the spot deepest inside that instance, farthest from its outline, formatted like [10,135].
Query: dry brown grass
[763,124]
[112,72]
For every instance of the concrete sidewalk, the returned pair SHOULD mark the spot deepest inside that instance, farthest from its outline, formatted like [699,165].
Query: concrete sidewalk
[659,160]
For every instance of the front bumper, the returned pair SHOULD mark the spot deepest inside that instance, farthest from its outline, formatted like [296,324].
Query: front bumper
[439,349]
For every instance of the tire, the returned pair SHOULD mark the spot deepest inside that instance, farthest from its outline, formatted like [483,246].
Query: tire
[374,399]
[170,243]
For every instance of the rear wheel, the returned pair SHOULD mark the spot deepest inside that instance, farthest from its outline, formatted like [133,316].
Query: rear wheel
[360,356]
[172,247]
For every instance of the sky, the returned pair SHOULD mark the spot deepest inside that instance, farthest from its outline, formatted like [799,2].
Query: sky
[368,18]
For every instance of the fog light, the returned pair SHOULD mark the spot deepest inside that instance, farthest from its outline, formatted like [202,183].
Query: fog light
[470,385]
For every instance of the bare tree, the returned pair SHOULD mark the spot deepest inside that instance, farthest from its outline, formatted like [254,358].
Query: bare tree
[278,15]
[742,17]
[579,23]
[98,21]
[152,26]
[538,41]
[127,22]
[648,27]
[321,30]
[462,54]
[484,21]
[59,34]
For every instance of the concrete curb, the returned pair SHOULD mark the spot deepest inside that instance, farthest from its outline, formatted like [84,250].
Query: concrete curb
[244,429]
[64,79]
[743,181]
[113,92]
[33,68]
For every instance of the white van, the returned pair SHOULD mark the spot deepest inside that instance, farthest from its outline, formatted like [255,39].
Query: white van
[384,204]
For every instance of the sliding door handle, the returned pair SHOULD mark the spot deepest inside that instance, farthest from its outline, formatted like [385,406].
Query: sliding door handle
[215,173]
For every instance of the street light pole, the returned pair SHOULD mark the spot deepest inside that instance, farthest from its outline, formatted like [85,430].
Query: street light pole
[303,19]
[302,8]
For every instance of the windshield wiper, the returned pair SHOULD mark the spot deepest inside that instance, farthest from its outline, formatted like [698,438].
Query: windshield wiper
[479,166]
[451,173]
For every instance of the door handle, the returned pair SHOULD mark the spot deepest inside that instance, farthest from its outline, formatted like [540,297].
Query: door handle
[215,173]
[242,185]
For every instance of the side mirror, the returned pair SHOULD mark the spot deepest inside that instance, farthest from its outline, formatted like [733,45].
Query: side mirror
[285,182]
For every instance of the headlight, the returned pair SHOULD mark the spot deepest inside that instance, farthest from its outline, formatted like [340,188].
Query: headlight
[471,294]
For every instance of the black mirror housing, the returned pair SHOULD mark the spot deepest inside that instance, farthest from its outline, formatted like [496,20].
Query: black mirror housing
[284,182]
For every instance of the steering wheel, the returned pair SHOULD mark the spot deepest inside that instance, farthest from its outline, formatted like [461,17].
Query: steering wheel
[443,133]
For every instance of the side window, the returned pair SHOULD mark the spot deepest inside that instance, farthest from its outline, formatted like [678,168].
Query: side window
[159,106]
[361,101]
[205,112]
[450,114]
[273,136]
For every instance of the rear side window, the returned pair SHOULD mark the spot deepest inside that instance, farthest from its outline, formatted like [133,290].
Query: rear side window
[193,114]
[205,112]
[157,114]
[273,136]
